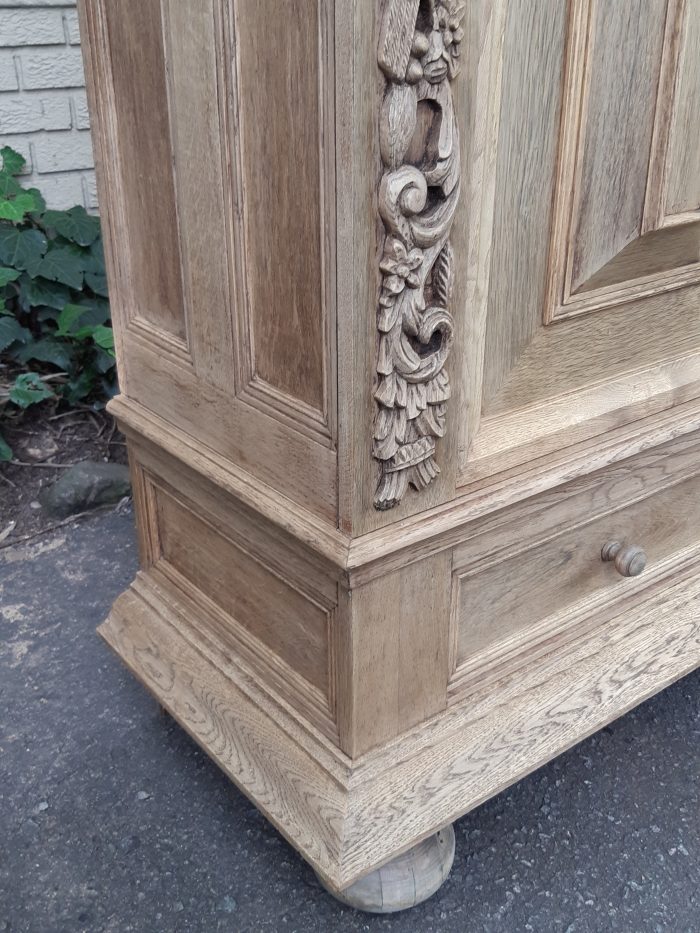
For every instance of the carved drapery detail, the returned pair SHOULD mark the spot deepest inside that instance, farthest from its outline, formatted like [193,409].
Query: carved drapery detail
[419,49]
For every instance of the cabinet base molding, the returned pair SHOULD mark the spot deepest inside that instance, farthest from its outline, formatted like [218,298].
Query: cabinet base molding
[349,816]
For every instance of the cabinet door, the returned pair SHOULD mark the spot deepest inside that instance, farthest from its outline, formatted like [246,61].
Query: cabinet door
[583,252]
[216,186]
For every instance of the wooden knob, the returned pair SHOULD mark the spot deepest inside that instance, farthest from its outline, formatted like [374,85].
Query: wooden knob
[629,559]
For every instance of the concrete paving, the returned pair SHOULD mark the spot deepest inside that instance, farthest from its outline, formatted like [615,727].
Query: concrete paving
[111,819]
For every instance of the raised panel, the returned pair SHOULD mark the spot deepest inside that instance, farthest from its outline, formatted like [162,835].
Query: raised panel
[572,219]
[278,93]
[150,256]
[682,181]
[285,620]
[617,91]
[629,80]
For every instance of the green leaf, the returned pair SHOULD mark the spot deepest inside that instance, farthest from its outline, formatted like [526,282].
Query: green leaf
[10,331]
[23,249]
[47,350]
[69,316]
[12,162]
[103,360]
[62,265]
[39,202]
[80,387]
[8,275]
[28,389]
[5,450]
[97,312]
[9,186]
[45,314]
[98,283]
[103,337]
[76,225]
[18,208]
[95,258]
[40,291]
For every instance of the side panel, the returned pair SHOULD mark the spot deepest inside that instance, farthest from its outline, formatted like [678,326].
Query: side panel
[251,591]
[215,129]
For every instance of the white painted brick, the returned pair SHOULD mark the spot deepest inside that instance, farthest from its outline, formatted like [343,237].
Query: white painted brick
[38,118]
[60,191]
[70,18]
[91,192]
[47,69]
[19,144]
[33,3]
[31,27]
[8,72]
[61,152]
[82,116]
[28,114]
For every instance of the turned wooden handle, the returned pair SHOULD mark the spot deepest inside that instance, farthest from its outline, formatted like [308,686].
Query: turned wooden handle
[629,559]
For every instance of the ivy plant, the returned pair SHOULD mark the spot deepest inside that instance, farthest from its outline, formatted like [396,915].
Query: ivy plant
[55,335]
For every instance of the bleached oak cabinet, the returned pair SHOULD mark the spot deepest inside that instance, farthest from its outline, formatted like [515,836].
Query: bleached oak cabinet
[407,306]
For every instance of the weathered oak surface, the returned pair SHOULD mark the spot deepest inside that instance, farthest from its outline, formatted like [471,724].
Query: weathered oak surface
[411,385]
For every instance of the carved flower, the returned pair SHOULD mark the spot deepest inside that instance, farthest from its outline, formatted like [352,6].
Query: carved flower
[399,266]
[449,18]
[439,49]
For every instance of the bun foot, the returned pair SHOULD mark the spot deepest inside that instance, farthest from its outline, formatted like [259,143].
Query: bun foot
[405,881]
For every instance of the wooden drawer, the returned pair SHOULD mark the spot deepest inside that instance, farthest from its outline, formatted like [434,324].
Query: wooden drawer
[512,593]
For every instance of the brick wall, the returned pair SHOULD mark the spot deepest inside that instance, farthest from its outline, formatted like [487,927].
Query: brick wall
[43,110]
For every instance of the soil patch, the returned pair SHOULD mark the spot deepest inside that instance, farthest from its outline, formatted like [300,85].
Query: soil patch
[46,439]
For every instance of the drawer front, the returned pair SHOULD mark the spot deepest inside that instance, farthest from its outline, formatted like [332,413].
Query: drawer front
[548,587]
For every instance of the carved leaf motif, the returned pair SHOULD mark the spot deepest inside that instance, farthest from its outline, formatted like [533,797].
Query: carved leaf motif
[419,57]
[443,275]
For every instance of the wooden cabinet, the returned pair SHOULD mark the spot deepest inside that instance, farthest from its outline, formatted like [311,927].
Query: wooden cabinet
[407,304]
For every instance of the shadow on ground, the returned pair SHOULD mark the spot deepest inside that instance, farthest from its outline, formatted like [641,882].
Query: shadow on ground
[111,819]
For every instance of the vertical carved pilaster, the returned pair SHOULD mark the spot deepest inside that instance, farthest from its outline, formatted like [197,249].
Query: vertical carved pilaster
[419,48]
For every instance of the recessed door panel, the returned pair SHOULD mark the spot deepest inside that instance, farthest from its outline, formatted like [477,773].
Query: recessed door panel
[587,313]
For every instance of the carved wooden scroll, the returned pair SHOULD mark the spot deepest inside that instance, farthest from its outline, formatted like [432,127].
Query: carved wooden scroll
[419,48]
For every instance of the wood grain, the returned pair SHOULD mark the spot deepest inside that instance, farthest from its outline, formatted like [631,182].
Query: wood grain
[565,573]
[396,660]
[610,242]
[682,181]
[279,76]
[266,605]
[621,73]
[150,211]
[366,677]
[530,92]
[340,815]
[509,729]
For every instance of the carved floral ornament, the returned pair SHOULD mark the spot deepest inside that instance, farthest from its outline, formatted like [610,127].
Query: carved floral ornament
[419,50]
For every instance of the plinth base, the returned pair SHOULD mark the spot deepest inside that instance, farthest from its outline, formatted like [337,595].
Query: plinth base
[405,881]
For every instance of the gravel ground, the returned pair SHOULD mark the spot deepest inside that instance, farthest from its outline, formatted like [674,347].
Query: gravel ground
[111,819]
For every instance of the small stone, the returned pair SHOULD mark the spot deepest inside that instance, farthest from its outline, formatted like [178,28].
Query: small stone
[35,504]
[178,907]
[228,905]
[86,485]
[43,805]
[41,453]
[143,795]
